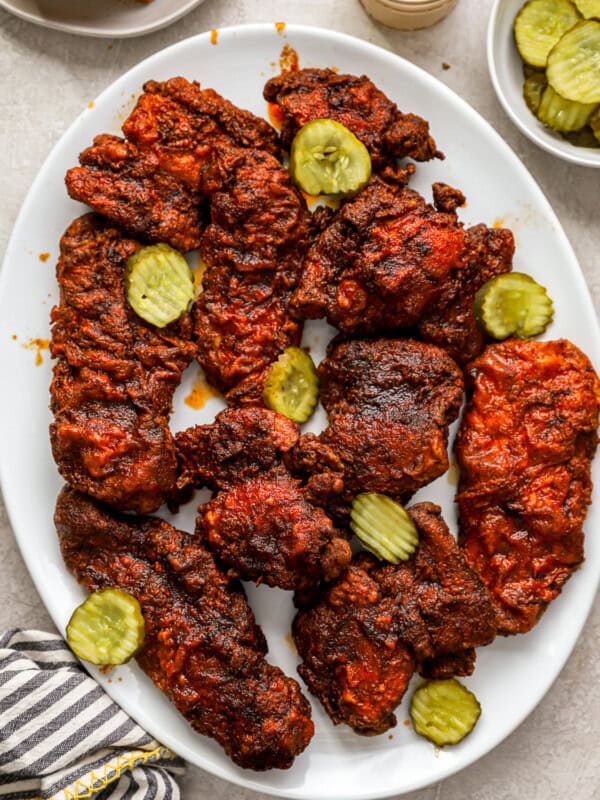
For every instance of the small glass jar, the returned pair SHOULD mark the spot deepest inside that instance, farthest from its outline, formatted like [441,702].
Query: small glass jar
[408,15]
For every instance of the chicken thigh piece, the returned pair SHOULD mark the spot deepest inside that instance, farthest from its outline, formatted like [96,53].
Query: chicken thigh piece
[114,375]
[388,134]
[524,448]
[263,523]
[389,404]
[150,182]
[388,262]
[254,249]
[362,636]
[202,646]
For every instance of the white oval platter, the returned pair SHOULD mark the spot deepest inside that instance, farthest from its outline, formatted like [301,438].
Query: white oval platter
[512,674]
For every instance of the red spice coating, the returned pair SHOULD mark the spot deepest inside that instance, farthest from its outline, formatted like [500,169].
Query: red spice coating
[202,645]
[524,449]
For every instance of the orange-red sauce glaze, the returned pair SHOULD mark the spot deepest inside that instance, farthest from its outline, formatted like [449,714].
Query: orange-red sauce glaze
[275,115]
[214,36]
[280,27]
[201,392]
[44,256]
[288,59]
[38,345]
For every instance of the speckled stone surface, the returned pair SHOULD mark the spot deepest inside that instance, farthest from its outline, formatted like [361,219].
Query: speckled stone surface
[46,78]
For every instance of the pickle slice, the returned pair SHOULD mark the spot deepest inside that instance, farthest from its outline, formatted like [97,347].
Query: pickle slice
[539,25]
[292,386]
[107,628]
[384,527]
[583,138]
[595,124]
[512,304]
[573,68]
[533,89]
[588,8]
[563,115]
[159,284]
[327,158]
[444,711]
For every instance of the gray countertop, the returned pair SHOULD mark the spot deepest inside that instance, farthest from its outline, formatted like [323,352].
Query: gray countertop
[48,77]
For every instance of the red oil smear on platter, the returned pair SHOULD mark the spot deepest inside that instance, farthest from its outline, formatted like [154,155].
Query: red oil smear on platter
[407,723]
[201,392]
[38,345]
[288,59]
[214,36]
[280,27]
[44,256]
[275,114]
[498,223]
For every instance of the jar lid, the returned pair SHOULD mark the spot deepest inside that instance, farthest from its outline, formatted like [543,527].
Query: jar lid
[408,14]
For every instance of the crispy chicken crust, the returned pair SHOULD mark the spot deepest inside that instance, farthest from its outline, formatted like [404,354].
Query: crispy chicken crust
[114,376]
[389,404]
[388,134]
[361,637]
[150,182]
[389,262]
[524,449]
[262,523]
[254,248]
[202,646]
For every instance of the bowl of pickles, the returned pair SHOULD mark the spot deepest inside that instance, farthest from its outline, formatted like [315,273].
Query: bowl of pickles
[544,62]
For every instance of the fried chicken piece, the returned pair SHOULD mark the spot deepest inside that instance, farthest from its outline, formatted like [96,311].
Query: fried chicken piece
[254,248]
[131,189]
[361,637]
[389,403]
[379,264]
[114,377]
[202,646]
[261,522]
[449,321]
[388,134]
[150,183]
[389,261]
[524,449]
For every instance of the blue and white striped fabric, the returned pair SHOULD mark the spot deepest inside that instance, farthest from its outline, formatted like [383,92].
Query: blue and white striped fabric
[63,738]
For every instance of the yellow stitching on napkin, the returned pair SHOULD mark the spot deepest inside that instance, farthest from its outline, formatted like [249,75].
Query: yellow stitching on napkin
[92,783]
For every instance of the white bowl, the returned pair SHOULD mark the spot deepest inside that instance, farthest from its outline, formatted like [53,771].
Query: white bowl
[114,19]
[506,72]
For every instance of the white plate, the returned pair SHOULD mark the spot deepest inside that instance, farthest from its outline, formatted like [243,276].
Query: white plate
[506,71]
[114,19]
[512,674]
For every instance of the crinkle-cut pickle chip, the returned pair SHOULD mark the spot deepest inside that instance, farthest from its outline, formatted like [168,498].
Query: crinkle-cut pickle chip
[595,124]
[513,304]
[292,385]
[384,527]
[444,711]
[539,25]
[533,89]
[589,9]
[159,284]
[563,115]
[583,138]
[573,68]
[107,628]
[327,158]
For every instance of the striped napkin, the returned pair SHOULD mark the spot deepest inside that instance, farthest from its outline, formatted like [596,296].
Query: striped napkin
[63,738]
